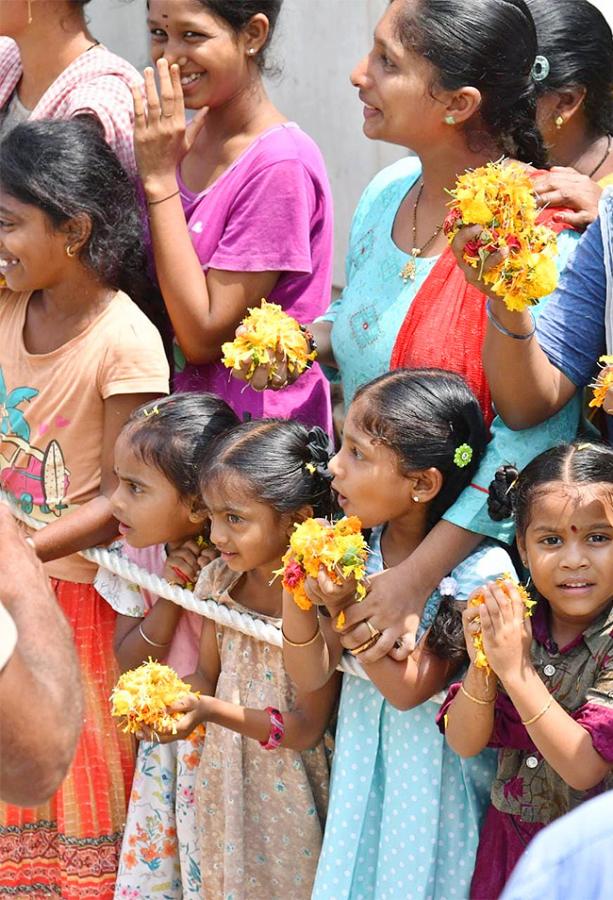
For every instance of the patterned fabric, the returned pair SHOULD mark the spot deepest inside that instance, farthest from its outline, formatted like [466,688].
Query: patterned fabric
[405,810]
[260,813]
[69,847]
[52,408]
[159,855]
[580,677]
[368,315]
[96,83]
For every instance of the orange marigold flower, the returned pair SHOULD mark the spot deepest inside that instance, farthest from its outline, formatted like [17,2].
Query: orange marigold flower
[604,382]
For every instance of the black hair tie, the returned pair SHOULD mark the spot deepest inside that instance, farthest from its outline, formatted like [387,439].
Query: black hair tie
[321,451]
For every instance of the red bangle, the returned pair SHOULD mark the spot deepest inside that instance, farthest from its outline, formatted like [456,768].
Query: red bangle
[277,729]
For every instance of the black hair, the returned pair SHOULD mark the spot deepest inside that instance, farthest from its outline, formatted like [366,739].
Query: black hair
[174,433]
[238,14]
[66,169]
[513,493]
[490,45]
[576,39]
[424,416]
[285,464]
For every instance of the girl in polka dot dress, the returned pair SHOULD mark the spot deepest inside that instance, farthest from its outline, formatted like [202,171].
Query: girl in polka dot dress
[405,811]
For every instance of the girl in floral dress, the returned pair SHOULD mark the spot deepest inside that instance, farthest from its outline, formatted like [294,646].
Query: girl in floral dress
[157,503]
[262,790]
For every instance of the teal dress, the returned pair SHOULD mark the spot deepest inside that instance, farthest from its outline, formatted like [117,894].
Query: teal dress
[367,317]
[405,810]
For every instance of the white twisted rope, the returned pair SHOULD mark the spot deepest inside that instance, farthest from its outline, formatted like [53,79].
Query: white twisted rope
[218,612]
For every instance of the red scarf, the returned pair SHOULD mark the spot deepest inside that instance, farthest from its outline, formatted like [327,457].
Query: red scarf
[445,325]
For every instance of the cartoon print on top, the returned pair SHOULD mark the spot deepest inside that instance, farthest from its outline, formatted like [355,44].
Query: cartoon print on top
[35,477]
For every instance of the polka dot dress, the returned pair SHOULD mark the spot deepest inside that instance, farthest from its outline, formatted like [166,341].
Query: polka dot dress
[405,810]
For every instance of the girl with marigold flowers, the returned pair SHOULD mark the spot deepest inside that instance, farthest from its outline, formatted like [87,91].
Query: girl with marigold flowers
[405,811]
[162,520]
[262,788]
[548,705]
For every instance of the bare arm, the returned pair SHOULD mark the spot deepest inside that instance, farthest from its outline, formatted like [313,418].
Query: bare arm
[313,661]
[40,686]
[92,523]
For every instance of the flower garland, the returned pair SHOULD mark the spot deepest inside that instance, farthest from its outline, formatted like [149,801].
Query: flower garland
[340,548]
[604,382]
[266,332]
[477,599]
[500,198]
[141,697]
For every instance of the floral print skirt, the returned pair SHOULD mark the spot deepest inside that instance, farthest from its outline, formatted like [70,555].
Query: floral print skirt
[160,855]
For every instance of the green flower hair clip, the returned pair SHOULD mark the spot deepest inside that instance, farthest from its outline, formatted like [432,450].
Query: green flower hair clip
[463,455]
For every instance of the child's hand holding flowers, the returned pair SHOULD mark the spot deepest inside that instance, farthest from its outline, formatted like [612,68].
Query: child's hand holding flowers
[143,698]
[497,628]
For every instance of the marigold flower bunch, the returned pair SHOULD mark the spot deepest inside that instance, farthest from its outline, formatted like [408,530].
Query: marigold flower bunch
[141,696]
[339,547]
[604,382]
[500,198]
[477,599]
[268,331]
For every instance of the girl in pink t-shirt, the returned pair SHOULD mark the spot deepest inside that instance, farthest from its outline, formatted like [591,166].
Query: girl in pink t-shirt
[158,505]
[239,202]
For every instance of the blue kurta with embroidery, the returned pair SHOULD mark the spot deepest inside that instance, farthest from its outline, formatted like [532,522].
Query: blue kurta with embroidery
[367,317]
[405,810]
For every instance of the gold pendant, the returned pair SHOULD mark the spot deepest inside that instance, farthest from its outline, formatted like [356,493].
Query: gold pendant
[410,268]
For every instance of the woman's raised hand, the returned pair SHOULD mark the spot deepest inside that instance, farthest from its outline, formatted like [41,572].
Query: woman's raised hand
[565,187]
[161,137]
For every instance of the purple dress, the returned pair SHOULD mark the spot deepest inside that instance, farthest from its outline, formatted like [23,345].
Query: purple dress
[270,211]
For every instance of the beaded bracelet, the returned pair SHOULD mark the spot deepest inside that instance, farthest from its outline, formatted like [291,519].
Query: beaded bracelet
[504,330]
[277,729]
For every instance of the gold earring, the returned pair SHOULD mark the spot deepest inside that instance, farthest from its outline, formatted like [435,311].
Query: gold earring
[559,121]
[29,12]
[70,251]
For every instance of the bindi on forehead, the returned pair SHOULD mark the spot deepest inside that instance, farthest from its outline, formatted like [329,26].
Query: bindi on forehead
[574,529]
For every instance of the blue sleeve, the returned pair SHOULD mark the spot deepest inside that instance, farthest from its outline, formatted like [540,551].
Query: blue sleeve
[486,563]
[571,329]
[515,447]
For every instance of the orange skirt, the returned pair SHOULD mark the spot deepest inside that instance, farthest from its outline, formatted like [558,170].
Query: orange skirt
[69,847]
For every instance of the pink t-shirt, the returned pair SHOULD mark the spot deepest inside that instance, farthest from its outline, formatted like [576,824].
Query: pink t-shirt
[131,600]
[270,211]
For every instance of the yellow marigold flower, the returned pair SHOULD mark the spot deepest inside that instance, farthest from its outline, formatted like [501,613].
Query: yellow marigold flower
[477,599]
[267,332]
[340,548]
[500,198]
[141,697]
[604,382]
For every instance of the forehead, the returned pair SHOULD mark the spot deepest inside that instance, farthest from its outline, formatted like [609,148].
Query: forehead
[228,490]
[573,505]
[177,9]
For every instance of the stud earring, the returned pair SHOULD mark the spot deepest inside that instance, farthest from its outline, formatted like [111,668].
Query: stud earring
[251,51]
[415,499]
[559,121]
[449,120]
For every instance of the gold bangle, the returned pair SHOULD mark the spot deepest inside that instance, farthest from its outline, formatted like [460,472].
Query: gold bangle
[372,640]
[539,714]
[476,699]
[301,643]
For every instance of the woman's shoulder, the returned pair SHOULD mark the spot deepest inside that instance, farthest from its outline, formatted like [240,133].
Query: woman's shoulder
[127,319]
[100,63]
[486,563]
[286,142]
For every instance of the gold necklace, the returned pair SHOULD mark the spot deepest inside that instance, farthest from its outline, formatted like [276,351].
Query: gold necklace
[410,267]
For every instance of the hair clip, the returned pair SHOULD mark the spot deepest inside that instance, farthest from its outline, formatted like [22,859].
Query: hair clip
[154,411]
[540,69]
[448,587]
[463,455]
